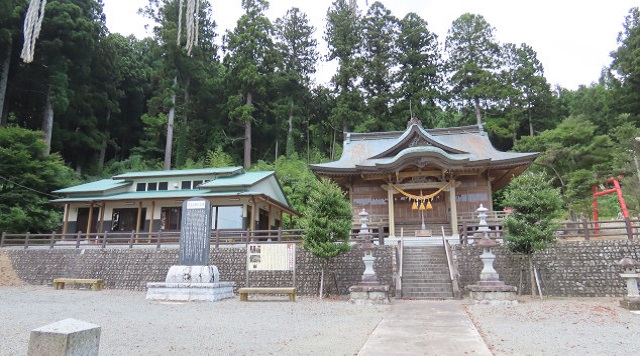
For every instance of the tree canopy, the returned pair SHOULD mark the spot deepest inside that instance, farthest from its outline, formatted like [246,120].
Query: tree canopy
[249,95]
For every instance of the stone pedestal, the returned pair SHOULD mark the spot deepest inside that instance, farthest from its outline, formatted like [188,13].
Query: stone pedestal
[191,283]
[68,337]
[369,294]
[494,293]
[489,289]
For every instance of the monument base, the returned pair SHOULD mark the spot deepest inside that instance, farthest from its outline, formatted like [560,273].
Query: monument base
[493,293]
[191,284]
[369,294]
[631,303]
[189,292]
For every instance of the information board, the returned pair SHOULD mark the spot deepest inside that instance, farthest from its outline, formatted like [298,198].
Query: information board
[271,257]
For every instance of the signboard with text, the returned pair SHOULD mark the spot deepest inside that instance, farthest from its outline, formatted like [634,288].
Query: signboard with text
[271,257]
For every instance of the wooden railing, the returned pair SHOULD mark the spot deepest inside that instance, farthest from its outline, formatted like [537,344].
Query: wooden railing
[628,228]
[160,238]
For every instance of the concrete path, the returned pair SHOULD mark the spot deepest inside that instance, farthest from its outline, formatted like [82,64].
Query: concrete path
[421,327]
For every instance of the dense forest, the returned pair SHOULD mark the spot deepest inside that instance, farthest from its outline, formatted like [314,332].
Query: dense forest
[107,103]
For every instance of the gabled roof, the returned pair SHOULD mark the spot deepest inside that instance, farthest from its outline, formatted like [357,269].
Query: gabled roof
[457,148]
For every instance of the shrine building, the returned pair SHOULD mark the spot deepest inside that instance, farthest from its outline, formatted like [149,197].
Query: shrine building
[421,180]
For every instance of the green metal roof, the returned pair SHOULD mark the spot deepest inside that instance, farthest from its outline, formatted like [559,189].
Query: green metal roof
[241,180]
[181,172]
[158,194]
[94,187]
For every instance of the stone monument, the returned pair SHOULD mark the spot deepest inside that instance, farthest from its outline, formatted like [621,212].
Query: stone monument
[193,279]
[369,290]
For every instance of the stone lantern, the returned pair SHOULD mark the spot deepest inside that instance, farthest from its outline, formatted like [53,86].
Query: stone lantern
[369,290]
[490,289]
[632,299]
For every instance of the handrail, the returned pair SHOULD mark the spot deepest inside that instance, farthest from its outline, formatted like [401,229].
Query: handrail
[453,272]
[400,250]
[157,239]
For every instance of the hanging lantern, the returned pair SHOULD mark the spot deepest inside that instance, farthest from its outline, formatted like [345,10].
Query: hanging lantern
[415,205]
[429,207]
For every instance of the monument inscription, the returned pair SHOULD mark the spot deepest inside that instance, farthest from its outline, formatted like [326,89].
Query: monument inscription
[195,232]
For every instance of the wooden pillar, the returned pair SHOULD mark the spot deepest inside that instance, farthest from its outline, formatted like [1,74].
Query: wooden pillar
[153,210]
[392,217]
[102,209]
[138,219]
[67,207]
[454,210]
[90,218]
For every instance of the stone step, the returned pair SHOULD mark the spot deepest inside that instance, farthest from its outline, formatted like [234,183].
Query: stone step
[435,295]
[415,290]
[419,278]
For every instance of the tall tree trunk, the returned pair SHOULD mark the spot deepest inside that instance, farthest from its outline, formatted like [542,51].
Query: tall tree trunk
[290,147]
[530,122]
[172,112]
[4,78]
[183,129]
[247,136]
[476,106]
[47,121]
[103,144]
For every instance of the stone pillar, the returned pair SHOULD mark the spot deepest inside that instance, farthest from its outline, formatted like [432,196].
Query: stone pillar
[68,337]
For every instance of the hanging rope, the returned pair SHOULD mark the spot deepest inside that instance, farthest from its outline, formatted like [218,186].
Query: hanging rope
[421,197]
[31,29]
[179,23]
[193,7]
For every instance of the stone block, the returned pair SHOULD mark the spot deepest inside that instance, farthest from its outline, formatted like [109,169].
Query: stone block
[68,337]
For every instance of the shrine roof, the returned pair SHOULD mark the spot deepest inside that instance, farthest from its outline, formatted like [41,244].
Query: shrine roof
[450,148]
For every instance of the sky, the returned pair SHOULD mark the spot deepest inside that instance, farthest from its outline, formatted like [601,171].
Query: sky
[573,38]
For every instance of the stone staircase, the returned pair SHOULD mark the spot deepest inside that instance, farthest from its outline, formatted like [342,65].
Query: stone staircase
[425,273]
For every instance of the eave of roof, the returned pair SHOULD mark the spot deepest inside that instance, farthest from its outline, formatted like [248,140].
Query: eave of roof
[103,185]
[243,180]
[224,171]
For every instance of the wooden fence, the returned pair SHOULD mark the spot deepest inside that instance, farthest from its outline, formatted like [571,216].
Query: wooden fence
[628,228]
[158,239]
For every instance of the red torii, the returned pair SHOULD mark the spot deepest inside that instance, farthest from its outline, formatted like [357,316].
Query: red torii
[616,189]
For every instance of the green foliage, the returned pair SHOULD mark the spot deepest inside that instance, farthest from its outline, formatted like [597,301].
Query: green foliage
[327,221]
[473,60]
[536,203]
[27,176]
[297,180]
[218,158]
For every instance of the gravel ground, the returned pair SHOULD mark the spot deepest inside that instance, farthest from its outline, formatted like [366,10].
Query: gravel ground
[132,325]
[558,326]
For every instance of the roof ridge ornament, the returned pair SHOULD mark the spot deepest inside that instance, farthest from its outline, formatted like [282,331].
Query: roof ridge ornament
[414,121]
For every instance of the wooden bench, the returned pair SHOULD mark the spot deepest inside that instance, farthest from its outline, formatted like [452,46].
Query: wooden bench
[244,292]
[96,284]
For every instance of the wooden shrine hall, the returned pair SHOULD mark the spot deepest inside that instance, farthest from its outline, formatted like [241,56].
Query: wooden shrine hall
[437,175]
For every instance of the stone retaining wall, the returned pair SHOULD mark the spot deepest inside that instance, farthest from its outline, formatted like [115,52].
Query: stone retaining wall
[577,269]
[572,269]
[133,268]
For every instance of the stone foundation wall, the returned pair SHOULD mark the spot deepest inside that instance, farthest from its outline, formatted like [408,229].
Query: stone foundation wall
[572,269]
[133,268]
